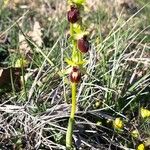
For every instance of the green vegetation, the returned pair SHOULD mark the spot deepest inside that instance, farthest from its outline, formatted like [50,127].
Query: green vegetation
[113,109]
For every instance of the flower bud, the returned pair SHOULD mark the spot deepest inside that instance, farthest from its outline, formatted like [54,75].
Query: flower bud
[145,113]
[73,14]
[75,75]
[141,147]
[135,133]
[118,123]
[83,44]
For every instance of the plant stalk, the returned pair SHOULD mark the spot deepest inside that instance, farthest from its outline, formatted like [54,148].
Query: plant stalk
[71,119]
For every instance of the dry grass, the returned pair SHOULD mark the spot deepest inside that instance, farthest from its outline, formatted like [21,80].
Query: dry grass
[118,78]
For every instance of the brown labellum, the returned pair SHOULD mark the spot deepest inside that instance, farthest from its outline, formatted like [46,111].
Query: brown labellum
[75,75]
[83,44]
[73,14]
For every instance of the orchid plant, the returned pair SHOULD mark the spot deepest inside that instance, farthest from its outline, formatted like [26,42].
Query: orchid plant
[79,45]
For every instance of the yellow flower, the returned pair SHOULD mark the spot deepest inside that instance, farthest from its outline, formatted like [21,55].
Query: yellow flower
[145,113]
[141,147]
[118,123]
[135,133]
[21,63]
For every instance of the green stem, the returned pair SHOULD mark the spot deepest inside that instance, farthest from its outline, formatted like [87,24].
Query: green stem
[75,55]
[71,119]
[74,92]
[73,41]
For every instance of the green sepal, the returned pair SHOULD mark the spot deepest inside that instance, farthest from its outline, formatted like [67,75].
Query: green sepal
[77,28]
[72,63]
[64,72]
[70,2]
[79,2]
[81,35]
